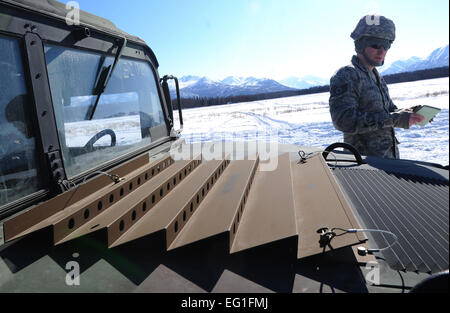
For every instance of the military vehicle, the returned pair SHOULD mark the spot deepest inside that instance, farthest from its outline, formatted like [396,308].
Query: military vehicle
[99,192]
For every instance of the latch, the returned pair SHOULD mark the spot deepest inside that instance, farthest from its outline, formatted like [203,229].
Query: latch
[58,175]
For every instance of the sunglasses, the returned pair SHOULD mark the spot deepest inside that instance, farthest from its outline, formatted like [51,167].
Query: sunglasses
[378,46]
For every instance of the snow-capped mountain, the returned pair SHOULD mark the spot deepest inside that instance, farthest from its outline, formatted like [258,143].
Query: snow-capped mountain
[204,87]
[399,66]
[192,86]
[233,81]
[304,82]
[186,81]
[437,58]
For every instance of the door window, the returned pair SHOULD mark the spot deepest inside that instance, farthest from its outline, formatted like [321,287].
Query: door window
[18,175]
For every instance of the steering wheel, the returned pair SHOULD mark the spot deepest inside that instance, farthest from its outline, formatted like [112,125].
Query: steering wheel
[89,147]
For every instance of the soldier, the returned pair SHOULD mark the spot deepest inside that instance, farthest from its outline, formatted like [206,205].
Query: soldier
[360,104]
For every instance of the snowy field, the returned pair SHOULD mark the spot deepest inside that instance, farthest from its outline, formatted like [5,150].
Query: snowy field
[126,128]
[305,120]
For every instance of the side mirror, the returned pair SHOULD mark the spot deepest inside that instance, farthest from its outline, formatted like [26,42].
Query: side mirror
[165,86]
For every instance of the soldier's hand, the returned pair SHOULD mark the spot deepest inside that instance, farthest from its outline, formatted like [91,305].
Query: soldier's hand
[415,118]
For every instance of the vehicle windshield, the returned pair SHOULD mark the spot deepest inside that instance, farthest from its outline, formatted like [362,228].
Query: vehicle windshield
[128,116]
[18,173]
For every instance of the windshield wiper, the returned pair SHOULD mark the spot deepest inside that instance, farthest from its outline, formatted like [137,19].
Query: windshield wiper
[103,80]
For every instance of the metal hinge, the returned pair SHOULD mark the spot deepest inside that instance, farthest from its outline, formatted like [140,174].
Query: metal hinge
[58,174]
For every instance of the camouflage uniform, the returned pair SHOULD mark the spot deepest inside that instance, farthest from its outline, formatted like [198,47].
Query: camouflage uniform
[362,109]
[360,105]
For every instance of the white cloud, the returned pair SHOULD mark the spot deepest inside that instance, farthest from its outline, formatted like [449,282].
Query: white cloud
[254,7]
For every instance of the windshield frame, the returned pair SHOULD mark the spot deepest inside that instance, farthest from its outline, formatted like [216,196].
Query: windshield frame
[127,51]
[40,28]
[40,167]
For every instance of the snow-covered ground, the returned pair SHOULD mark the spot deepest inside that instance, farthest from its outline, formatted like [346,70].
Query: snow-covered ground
[127,130]
[305,121]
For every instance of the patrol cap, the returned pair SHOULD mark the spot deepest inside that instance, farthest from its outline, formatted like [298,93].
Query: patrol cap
[374,26]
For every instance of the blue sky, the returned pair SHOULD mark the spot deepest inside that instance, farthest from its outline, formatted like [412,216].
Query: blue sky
[269,38]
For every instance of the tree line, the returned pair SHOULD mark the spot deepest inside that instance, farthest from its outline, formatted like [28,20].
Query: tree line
[195,102]
[437,72]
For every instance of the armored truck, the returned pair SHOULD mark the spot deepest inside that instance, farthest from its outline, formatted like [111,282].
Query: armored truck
[100,193]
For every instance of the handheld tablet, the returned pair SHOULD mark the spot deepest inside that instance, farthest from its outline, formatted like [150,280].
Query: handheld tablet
[428,112]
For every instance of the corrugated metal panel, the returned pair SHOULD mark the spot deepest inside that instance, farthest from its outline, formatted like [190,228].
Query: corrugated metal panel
[192,200]
[320,203]
[269,209]
[217,214]
[169,215]
[44,214]
[120,216]
[414,208]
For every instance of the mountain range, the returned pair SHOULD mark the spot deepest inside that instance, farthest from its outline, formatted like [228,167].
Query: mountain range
[304,82]
[437,58]
[196,86]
